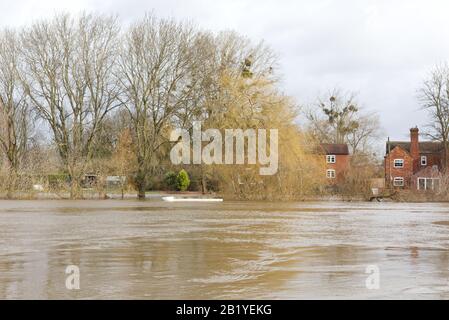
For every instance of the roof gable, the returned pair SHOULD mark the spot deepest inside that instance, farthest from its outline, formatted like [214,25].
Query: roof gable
[405,152]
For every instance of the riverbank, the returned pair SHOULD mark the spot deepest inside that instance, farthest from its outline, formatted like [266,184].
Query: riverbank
[95,195]
[157,195]
[403,197]
[89,194]
[92,195]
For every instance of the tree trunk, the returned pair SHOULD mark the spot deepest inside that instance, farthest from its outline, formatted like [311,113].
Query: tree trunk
[141,191]
[75,188]
[141,182]
[11,184]
[75,181]
[445,157]
[203,182]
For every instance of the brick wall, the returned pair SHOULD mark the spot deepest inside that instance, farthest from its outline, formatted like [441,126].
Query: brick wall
[340,167]
[406,172]
[433,159]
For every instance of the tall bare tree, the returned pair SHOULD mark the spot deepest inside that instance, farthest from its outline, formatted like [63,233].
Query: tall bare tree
[434,97]
[365,139]
[14,112]
[155,73]
[69,78]
[340,120]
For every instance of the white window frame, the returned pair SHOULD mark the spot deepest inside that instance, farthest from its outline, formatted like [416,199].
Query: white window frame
[423,161]
[331,174]
[396,161]
[426,186]
[331,158]
[425,183]
[398,181]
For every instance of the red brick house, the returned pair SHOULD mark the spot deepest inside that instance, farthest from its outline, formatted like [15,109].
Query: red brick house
[337,161]
[414,165]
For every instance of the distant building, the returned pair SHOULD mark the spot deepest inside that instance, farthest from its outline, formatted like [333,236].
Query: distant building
[414,165]
[337,161]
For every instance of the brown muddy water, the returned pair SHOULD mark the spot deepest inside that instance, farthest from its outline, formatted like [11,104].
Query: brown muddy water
[230,250]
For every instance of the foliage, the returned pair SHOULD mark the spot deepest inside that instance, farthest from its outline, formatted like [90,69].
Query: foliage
[182,180]
[171,180]
[255,103]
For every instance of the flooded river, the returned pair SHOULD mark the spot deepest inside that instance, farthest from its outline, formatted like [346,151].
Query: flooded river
[230,250]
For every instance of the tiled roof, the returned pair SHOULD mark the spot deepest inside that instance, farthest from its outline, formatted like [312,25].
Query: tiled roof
[424,147]
[335,149]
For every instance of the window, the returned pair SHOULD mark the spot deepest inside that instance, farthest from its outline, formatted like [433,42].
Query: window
[424,161]
[331,159]
[428,183]
[330,174]
[399,163]
[398,182]
[422,184]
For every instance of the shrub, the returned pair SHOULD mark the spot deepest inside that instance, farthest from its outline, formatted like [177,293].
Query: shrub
[182,180]
[170,180]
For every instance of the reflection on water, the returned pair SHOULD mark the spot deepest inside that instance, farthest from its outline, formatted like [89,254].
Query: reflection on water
[231,250]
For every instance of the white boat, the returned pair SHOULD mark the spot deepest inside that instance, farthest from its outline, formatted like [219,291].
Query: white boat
[174,199]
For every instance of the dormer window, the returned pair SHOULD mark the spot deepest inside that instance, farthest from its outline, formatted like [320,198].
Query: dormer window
[424,161]
[399,163]
[331,159]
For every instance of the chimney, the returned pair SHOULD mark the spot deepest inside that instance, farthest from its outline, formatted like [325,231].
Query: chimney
[414,147]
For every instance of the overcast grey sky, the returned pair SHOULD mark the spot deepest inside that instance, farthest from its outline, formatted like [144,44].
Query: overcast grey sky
[380,49]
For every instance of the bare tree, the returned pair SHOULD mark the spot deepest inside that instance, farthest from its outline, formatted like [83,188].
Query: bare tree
[14,111]
[434,97]
[340,111]
[341,120]
[155,73]
[363,140]
[68,76]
